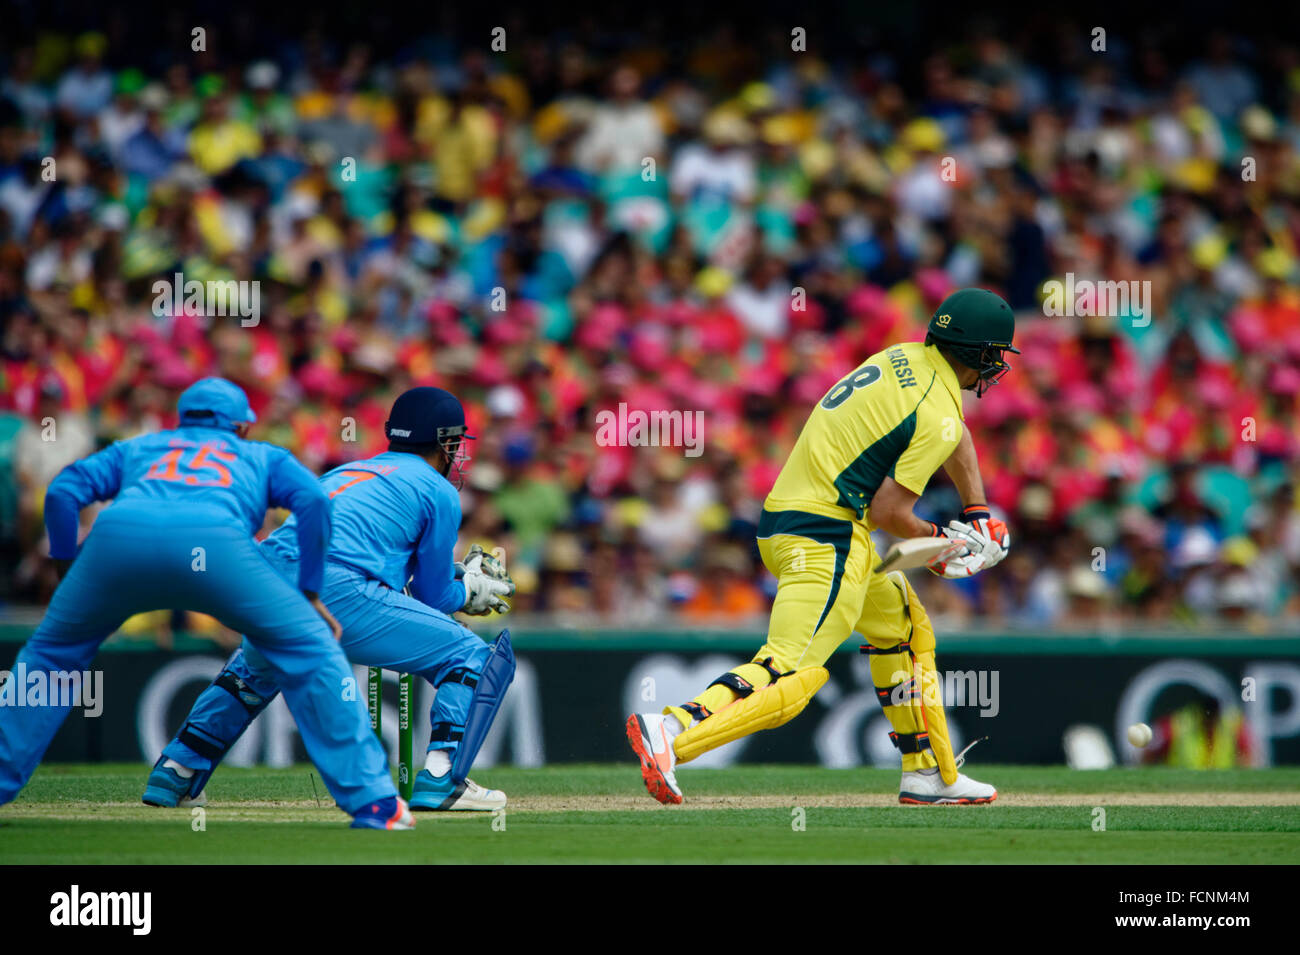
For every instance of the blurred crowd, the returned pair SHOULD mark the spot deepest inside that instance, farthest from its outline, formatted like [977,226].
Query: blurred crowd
[728,227]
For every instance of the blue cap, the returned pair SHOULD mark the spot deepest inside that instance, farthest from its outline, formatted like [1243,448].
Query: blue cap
[214,402]
[423,416]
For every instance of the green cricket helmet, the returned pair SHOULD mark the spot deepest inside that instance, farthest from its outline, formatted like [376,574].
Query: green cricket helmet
[976,327]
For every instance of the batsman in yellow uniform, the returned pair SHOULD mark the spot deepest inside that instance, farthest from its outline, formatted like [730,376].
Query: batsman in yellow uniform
[862,460]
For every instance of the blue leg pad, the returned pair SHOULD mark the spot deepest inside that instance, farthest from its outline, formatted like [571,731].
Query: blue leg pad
[493,682]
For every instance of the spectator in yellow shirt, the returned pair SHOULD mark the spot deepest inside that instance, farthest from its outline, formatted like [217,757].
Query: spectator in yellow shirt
[217,142]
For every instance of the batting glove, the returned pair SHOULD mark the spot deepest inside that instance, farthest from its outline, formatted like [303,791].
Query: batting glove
[984,534]
[955,568]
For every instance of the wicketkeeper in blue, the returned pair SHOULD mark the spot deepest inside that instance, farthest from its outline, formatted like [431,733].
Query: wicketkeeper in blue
[396,518]
[179,536]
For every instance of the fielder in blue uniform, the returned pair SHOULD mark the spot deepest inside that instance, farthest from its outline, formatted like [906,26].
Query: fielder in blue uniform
[179,535]
[396,518]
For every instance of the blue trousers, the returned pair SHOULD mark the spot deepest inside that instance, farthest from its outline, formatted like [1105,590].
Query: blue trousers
[191,562]
[382,628]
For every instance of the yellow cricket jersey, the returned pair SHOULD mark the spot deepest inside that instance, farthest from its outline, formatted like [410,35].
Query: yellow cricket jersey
[899,414]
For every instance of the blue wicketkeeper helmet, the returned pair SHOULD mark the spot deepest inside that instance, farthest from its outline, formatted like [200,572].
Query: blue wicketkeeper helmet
[424,418]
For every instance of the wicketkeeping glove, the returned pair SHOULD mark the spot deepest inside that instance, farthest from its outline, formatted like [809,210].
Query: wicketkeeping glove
[486,582]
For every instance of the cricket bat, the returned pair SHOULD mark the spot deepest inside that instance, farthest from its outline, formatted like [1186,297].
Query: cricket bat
[919,551]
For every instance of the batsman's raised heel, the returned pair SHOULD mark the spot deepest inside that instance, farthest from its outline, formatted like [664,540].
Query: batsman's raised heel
[653,746]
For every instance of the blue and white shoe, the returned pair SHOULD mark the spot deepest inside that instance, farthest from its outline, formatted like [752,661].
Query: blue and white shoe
[389,813]
[169,789]
[441,794]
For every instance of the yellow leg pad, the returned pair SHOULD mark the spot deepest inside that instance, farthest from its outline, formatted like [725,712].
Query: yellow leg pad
[894,676]
[936,723]
[683,717]
[923,647]
[716,697]
[764,709]
[922,630]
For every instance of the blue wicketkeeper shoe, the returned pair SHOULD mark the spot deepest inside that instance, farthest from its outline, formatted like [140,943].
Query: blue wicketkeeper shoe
[168,788]
[388,813]
[441,794]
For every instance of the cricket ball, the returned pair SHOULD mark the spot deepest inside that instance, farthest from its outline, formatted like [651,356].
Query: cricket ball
[1139,734]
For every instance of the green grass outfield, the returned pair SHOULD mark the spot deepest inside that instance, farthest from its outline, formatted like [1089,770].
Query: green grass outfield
[79,814]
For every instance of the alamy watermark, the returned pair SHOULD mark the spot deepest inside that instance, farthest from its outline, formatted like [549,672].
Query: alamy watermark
[211,298]
[651,429]
[61,688]
[974,688]
[132,910]
[1079,298]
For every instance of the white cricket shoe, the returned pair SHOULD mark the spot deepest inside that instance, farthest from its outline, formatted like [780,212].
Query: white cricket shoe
[476,798]
[928,789]
[653,745]
[443,794]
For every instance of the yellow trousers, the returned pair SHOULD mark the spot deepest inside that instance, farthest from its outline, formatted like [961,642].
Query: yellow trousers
[826,590]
